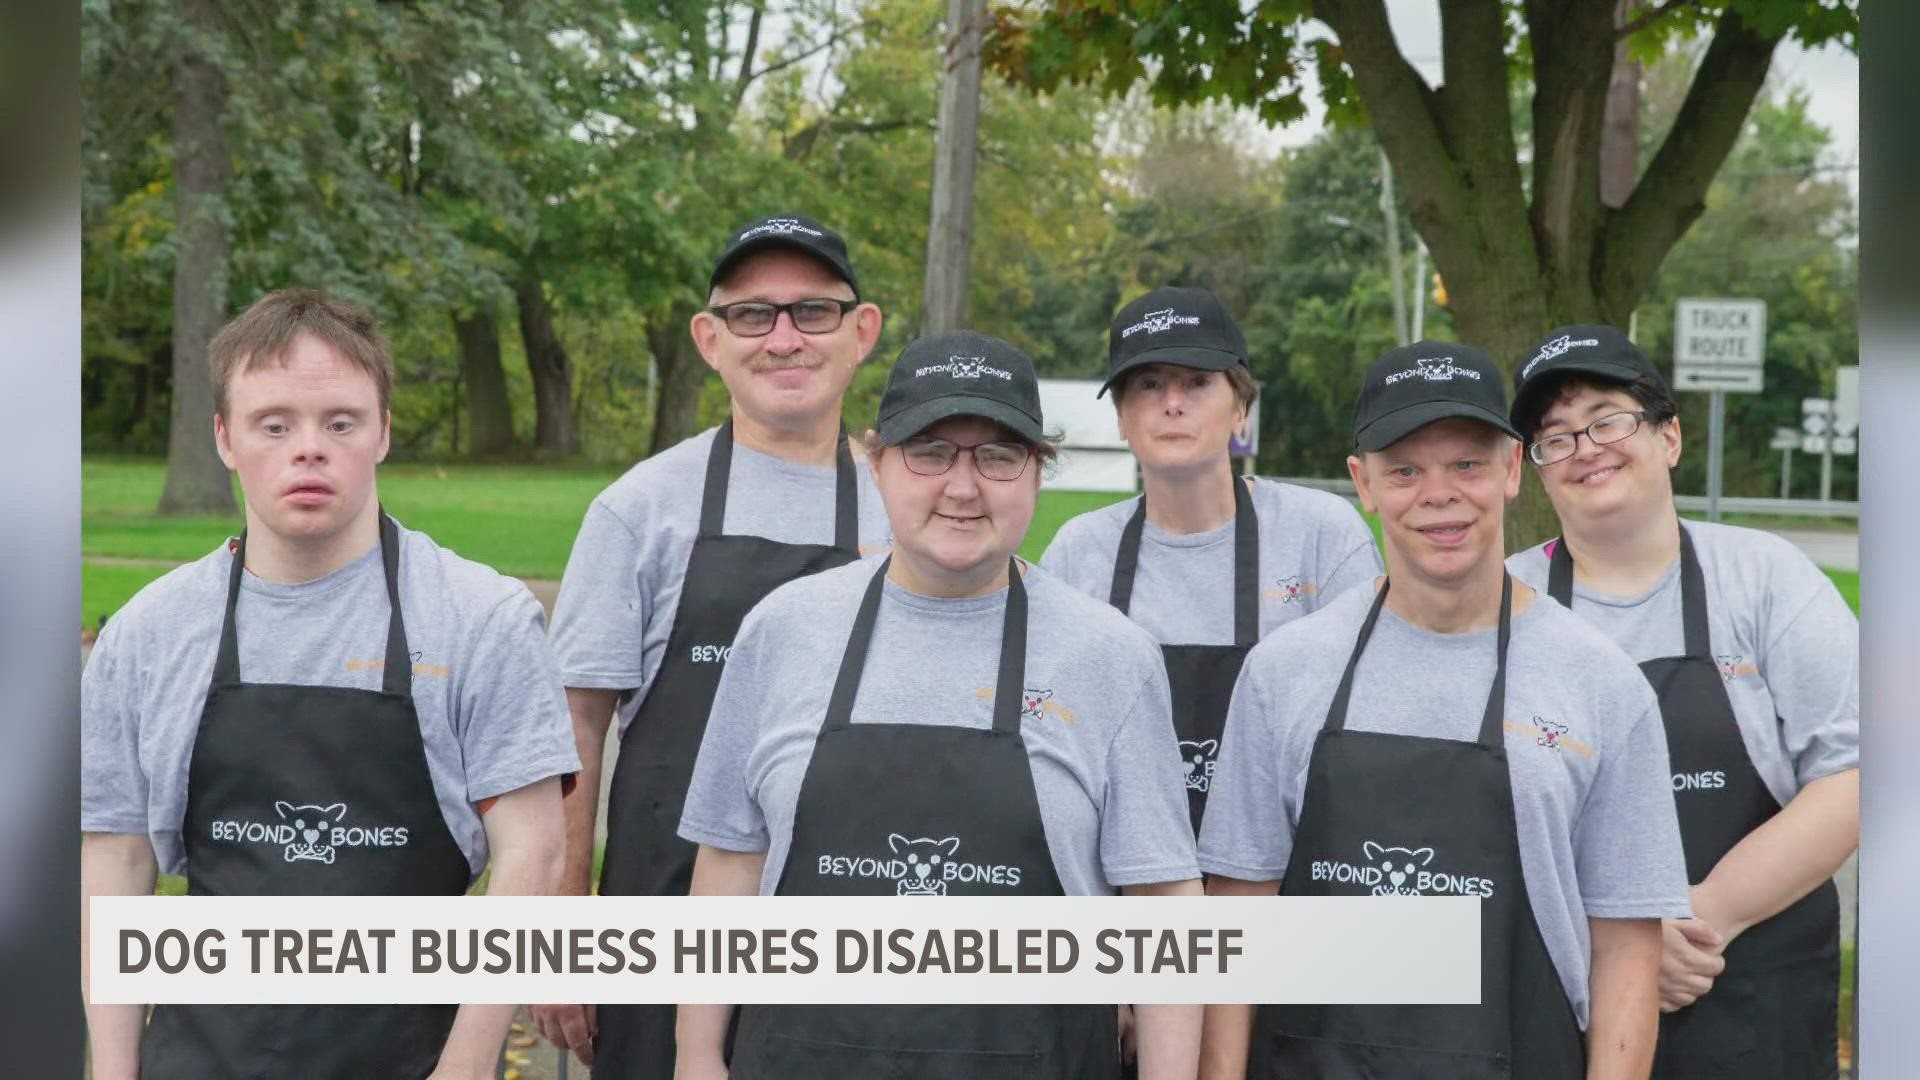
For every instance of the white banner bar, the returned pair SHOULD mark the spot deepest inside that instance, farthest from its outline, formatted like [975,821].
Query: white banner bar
[954,950]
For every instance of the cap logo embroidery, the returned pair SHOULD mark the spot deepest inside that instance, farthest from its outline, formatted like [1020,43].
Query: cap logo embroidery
[964,367]
[779,227]
[1433,369]
[1557,347]
[1155,321]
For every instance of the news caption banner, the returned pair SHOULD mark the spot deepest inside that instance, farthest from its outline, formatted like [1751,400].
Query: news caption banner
[761,950]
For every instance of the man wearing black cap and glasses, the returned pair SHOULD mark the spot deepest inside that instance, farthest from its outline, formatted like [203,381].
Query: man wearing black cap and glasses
[1756,661]
[1206,562]
[1449,734]
[672,555]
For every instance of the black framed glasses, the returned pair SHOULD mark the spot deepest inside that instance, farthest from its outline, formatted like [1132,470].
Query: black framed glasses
[929,456]
[755,318]
[1610,428]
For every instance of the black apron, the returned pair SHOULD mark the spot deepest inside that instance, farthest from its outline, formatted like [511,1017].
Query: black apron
[1773,1013]
[1202,676]
[309,791]
[925,810]
[1404,814]
[645,856]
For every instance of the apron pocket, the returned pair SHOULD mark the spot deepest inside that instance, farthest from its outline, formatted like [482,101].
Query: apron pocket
[1718,1035]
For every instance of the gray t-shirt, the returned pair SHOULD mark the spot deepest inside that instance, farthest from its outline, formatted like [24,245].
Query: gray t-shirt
[1587,754]
[1787,646]
[493,718]
[1096,718]
[622,584]
[1313,546]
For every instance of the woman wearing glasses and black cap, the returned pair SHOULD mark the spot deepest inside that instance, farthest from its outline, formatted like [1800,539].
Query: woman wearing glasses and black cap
[953,719]
[1756,661]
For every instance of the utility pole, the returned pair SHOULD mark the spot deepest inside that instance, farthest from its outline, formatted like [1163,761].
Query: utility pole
[950,223]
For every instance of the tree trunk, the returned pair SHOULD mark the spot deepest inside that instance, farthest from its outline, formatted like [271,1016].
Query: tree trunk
[197,481]
[489,413]
[681,372]
[1620,132]
[950,222]
[550,366]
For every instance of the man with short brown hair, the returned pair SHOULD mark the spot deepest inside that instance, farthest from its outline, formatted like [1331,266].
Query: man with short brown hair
[329,704]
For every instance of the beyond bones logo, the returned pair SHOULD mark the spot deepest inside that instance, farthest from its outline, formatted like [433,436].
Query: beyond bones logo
[1290,589]
[1034,702]
[1197,762]
[1550,732]
[1155,321]
[1433,369]
[1557,347]
[778,227]
[1399,871]
[963,367]
[1734,665]
[919,866]
[309,833]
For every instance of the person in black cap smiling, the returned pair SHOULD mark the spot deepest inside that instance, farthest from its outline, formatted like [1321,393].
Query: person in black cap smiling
[1206,562]
[1447,734]
[672,555]
[1756,661]
[948,721]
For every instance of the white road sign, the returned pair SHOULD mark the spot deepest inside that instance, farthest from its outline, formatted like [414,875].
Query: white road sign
[1846,400]
[1813,444]
[1786,438]
[1844,445]
[1719,345]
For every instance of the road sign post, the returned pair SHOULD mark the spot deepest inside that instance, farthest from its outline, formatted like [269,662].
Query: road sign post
[1786,440]
[1719,346]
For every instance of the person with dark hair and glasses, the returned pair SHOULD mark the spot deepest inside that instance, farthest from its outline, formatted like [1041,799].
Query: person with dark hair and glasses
[948,721]
[1756,661]
[672,555]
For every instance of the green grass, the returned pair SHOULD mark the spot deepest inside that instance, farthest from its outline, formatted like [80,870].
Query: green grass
[519,519]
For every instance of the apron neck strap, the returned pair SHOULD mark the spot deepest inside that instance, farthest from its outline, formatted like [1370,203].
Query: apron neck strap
[1492,719]
[397,676]
[1246,564]
[1693,590]
[1008,689]
[1693,600]
[713,496]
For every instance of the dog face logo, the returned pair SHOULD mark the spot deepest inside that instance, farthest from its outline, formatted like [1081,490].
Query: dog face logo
[1550,732]
[1196,760]
[1290,589]
[1033,702]
[923,858]
[1729,665]
[311,827]
[1397,866]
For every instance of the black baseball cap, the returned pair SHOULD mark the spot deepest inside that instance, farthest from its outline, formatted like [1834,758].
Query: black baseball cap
[1172,325]
[785,231]
[959,373]
[1414,385]
[1597,349]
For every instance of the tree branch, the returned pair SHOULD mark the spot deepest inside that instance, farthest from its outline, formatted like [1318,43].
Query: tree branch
[1650,16]
[745,77]
[801,143]
[1573,53]
[1398,100]
[1673,190]
[796,57]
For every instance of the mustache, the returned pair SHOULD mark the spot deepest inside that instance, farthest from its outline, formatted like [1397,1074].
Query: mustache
[766,362]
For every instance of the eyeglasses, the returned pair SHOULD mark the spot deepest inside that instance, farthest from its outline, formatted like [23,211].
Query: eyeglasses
[994,460]
[1610,428]
[755,318]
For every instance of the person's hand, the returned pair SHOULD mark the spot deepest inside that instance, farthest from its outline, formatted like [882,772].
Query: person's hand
[1689,961]
[569,1027]
[1129,1041]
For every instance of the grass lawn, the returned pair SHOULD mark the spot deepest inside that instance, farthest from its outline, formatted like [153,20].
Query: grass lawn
[520,519]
